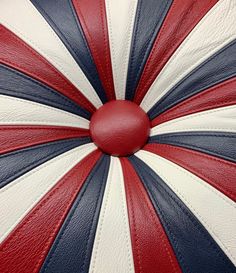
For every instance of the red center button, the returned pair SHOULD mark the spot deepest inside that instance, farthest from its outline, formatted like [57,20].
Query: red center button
[120,128]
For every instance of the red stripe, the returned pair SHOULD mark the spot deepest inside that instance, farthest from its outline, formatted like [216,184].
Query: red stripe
[223,94]
[25,249]
[152,251]
[92,16]
[182,17]
[15,53]
[219,173]
[18,137]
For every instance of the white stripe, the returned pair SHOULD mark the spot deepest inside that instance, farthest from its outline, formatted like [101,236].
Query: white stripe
[214,31]
[120,18]
[21,195]
[15,111]
[214,210]
[112,241]
[222,119]
[22,18]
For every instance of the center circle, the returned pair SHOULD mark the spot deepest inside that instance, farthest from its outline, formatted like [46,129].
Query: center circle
[120,128]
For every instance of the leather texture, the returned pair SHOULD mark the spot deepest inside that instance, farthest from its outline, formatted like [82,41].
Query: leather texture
[117,136]
[179,221]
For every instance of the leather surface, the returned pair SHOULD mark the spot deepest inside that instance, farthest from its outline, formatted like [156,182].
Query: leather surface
[219,119]
[18,85]
[187,235]
[18,17]
[93,20]
[17,54]
[173,32]
[13,137]
[214,143]
[70,32]
[215,31]
[17,163]
[147,234]
[27,190]
[217,172]
[220,95]
[219,67]
[149,17]
[73,245]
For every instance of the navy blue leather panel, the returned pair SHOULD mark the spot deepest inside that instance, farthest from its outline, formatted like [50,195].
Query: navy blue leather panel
[60,14]
[16,84]
[72,248]
[194,247]
[15,164]
[214,143]
[149,18]
[219,67]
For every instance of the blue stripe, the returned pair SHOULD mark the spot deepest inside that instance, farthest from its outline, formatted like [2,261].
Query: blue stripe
[218,68]
[60,14]
[72,249]
[214,143]
[16,84]
[149,18]
[194,247]
[15,164]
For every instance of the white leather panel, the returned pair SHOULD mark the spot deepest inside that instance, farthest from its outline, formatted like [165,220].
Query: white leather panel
[213,32]
[112,241]
[120,19]
[22,18]
[221,119]
[15,111]
[218,216]
[21,195]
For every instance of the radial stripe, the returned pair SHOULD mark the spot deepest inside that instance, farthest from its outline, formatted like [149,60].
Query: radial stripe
[39,228]
[223,94]
[14,111]
[219,173]
[149,18]
[15,53]
[194,247]
[80,226]
[18,17]
[26,191]
[71,34]
[120,19]
[216,30]
[219,67]
[112,242]
[16,84]
[221,119]
[218,216]
[182,17]
[151,248]
[214,143]
[92,16]
[19,162]
[18,137]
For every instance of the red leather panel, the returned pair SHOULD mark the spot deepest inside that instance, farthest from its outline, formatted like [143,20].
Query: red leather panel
[173,31]
[92,16]
[20,136]
[152,251]
[120,127]
[223,94]
[219,173]
[16,53]
[38,229]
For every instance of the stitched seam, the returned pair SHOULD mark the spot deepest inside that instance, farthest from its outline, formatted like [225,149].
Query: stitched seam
[185,42]
[53,252]
[44,165]
[189,204]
